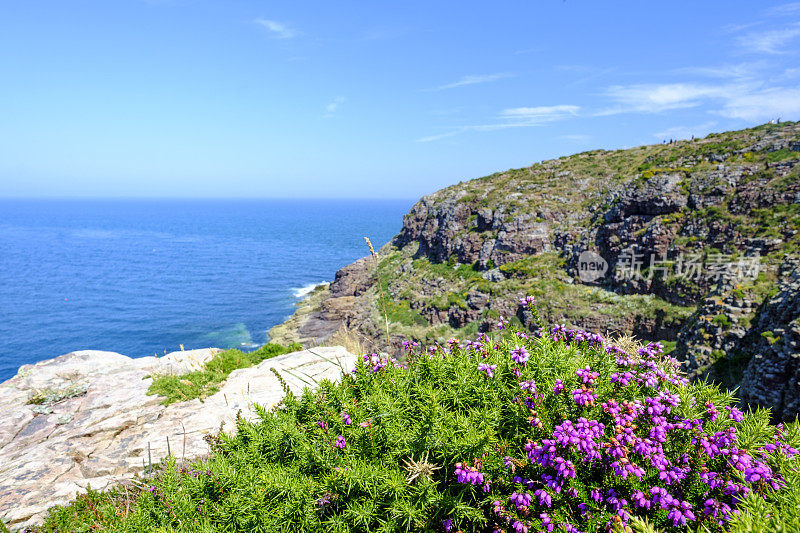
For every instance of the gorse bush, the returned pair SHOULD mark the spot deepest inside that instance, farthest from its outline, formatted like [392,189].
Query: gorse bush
[512,432]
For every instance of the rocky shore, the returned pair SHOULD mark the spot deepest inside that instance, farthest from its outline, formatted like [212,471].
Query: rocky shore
[85,419]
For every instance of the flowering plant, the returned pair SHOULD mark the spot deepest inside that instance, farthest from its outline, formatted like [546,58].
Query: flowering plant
[514,431]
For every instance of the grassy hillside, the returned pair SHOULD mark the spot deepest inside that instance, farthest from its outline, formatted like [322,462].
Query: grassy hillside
[468,252]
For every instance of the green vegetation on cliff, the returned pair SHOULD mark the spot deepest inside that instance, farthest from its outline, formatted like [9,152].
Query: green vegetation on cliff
[708,223]
[511,432]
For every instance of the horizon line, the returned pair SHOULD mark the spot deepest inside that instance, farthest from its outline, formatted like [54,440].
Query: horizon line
[241,198]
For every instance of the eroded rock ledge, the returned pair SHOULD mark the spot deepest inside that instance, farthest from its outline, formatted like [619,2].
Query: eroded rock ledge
[92,422]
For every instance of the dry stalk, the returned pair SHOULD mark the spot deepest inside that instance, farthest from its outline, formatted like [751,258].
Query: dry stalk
[380,287]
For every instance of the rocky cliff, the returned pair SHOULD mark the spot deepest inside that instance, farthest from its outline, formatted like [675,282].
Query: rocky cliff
[679,242]
[85,419]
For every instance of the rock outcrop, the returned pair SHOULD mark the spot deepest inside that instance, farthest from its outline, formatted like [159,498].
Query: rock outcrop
[85,419]
[772,376]
[685,241]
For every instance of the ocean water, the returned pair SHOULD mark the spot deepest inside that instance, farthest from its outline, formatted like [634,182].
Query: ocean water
[142,276]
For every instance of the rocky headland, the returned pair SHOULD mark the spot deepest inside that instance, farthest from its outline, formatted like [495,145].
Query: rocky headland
[85,419]
[693,243]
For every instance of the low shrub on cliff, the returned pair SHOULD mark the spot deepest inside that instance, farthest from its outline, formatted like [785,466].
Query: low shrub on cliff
[204,382]
[512,432]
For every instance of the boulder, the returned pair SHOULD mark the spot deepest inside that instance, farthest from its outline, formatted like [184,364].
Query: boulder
[85,418]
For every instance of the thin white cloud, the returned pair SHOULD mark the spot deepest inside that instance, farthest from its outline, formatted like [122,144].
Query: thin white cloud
[655,98]
[540,113]
[763,104]
[785,9]
[770,41]
[278,30]
[579,137]
[515,117]
[473,80]
[331,108]
[432,138]
[737,71]
[749,100]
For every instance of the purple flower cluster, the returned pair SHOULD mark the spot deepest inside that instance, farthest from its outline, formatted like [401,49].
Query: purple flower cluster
[584,396]
[687,467]
[519,355]
[577,336]
[489,369]
[469,475]
[376,361]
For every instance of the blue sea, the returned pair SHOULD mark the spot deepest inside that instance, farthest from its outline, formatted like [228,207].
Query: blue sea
[142,276]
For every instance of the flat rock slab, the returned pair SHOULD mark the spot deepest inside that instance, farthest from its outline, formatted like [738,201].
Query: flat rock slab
[94,423]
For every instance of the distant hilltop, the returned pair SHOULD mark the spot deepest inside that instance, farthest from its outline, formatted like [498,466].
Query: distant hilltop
[691,242]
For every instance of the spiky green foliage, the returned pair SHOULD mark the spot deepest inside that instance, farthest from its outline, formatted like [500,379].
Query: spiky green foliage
[380,451]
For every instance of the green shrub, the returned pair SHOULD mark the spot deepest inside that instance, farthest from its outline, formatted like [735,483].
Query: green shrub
[722,321]
[400,311]
[511,432]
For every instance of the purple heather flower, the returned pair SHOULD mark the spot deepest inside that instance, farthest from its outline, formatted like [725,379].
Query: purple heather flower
[559,386]
[321,424]
[719,510]
[584,396]
[447,524]
[519,355]
[711,411]
[346,418]
[735,414]
[559,332]
[587,376]
[489,369]
[623,378]
[564,467]
[546,522]
[527,300]
[544,497]
[681,513]
[340,442]
[520,499]
[613,499]
[519,527]
[640,499]
[376,361]
[466,474]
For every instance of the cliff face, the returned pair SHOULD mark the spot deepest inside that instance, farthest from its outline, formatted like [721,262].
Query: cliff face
[678,242]
[772,375]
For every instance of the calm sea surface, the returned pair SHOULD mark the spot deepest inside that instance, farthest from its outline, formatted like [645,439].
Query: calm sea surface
[138,277]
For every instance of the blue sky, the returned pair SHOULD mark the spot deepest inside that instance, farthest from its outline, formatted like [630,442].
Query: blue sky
[174,98]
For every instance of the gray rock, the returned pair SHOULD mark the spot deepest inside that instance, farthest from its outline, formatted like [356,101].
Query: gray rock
[112,429]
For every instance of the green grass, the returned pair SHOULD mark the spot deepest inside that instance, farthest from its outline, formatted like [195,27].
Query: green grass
[205,382]
[399,311]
